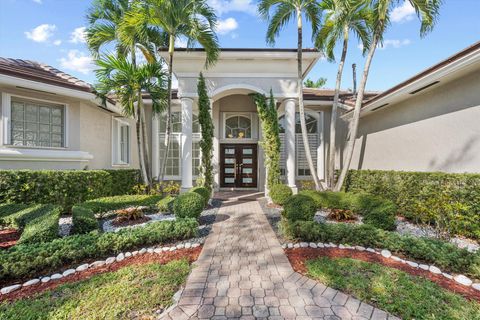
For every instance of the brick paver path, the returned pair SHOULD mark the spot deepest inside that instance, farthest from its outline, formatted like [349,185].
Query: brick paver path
[243,273]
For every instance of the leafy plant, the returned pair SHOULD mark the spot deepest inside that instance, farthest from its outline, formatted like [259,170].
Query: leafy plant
[341,214]
[188,205]
[299,207]
[204,193]
[128,214]
[280,193]
[166,204]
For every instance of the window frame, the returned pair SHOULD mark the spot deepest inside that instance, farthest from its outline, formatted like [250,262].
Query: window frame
[6,116]
[117,124]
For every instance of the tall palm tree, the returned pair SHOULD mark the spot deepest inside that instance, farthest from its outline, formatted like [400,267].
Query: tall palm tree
[428,12]
[342,17]
[127,81]
[284,11]
[193,20]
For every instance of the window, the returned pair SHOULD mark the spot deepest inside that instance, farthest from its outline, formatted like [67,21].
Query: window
[121,142]
[37,124]
[172,166]
[311,123]
[238,127]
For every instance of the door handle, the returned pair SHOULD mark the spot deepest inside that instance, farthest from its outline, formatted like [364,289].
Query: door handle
[235,170]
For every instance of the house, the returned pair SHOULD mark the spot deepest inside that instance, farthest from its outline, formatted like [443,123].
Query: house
[427,123]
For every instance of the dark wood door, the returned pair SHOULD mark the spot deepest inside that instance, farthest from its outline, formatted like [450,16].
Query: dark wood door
[238,165]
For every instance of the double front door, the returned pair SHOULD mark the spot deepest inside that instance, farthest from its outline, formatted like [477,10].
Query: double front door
[238,165]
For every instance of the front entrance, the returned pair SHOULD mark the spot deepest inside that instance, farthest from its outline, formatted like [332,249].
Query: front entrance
[238,166]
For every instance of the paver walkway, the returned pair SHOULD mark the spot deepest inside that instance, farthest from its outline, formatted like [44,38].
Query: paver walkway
[243,273]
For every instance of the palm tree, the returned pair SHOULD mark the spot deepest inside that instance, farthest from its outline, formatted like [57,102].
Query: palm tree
[309,83]
[342,17]
[284,11]
[427,11]
[128,82]
[193,20]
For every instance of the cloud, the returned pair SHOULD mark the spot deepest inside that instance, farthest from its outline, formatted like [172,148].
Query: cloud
[78,35]
[180,43]
[226,26]
[226,6]
[77,61]
[390,43]
[41,33]
[403,13]
[57,42]
[37,1]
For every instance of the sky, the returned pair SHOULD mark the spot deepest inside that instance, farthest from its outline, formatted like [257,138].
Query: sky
[52,32]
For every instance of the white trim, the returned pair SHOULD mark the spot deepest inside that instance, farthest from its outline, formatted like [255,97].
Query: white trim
[193,75]
[321,146]
[237,87]
[6,115]
[117,123]
[19,154]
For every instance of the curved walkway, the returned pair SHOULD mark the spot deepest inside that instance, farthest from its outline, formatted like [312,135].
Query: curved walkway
[243,273]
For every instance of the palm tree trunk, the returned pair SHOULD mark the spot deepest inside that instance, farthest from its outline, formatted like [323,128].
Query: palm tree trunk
[141,159]
[145,142]
[171,50]
[301,108]
[333,119]
[356,115]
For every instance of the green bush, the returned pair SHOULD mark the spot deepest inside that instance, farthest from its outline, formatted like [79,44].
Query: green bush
[64,187]
[408,189]
[18,216]
[83,215]
[204,193]
[188,205]
[31,259]
[44,228]
[299,207]
[166,204]
[440,253]
[280,193]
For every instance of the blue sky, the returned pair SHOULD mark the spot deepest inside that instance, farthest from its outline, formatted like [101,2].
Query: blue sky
[50,31]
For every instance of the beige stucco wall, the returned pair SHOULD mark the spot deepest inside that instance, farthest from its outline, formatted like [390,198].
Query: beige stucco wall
[438,130]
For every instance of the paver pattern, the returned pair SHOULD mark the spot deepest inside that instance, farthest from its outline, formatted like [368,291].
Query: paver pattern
[243,273]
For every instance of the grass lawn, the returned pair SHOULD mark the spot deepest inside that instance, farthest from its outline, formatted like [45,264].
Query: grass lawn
[392,290]
[133,292]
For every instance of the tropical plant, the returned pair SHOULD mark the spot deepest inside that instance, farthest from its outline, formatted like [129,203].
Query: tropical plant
[193,20]
[267,112]
[427,11]
[309,83]
[341,18]
[284,11]
[206,128]
[129,82]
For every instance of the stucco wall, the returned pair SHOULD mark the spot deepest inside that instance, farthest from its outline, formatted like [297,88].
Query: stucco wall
[435,131]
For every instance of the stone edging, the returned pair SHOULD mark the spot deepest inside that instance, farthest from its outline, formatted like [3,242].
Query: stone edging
[460,278]
[191,243]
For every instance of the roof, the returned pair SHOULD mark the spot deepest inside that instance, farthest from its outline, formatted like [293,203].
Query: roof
[243,50]
[328,94]
[35,71]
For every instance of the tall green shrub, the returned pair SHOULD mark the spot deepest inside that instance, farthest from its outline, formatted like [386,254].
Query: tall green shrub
[206,143]
[267,112]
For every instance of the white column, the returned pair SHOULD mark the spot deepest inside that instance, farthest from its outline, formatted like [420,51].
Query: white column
[290,105]
[321,148]
[186,170]
[216,144]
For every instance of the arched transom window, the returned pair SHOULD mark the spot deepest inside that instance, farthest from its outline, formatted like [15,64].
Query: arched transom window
[311,121]
[238,127]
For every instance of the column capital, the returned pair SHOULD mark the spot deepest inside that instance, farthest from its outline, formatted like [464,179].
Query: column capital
[186,98]
[295,100]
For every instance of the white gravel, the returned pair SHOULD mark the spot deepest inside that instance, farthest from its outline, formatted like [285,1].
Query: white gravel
[65,225]
[109,227]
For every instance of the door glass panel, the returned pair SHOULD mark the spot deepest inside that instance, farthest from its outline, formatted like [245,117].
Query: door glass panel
[229,151]
[229,180]
[247,151]
[229,161]
[247,170]
[247,180]
[247,161]
[229,170]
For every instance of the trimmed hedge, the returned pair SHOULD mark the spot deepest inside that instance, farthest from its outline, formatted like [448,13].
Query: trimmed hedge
[443,254]
[280,193]
[406,189]
[203,192]
[18,216]
[64,187]
[376,211]
[299,207]
[83,215]
[43,228]
[32,259]
[188,205]
[166,204]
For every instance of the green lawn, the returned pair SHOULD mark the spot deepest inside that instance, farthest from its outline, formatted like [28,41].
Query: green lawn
[133,292]
[392,290]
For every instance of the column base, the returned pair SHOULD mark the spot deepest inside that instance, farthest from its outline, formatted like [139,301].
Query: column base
[294,189]
[185,189]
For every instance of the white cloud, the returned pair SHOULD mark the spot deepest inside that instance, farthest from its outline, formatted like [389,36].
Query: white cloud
[41,33]
[57,42]
[77,61]
[38,1]
[226,6]
[403,13]
[180,43]
[78,35]
[226,26]
[394,43]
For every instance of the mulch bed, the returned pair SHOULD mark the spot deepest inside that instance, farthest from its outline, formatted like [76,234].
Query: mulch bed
[8,238]
[299,256]
[162,258]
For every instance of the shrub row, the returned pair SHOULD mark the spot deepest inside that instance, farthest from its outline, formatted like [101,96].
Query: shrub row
[408,189]
[32,259]
[64,187]
[442,254]
[376,211]
[83,215]
[44,228]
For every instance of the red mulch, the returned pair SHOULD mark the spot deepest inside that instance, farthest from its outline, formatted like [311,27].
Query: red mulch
[8,238]
[299,256]
[124,223]
[162,258]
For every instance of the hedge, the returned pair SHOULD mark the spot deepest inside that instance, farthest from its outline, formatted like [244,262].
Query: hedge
[18,216]
[83,215]
[44,228]
[33,259]
[64,187]
[406,189]
[188,205]
[299,207]
[440,253]
[280,193]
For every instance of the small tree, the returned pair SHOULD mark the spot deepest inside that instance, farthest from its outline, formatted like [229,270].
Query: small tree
[206,127]
[267,113]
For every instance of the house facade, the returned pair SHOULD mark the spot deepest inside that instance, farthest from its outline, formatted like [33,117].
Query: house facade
[428,123]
